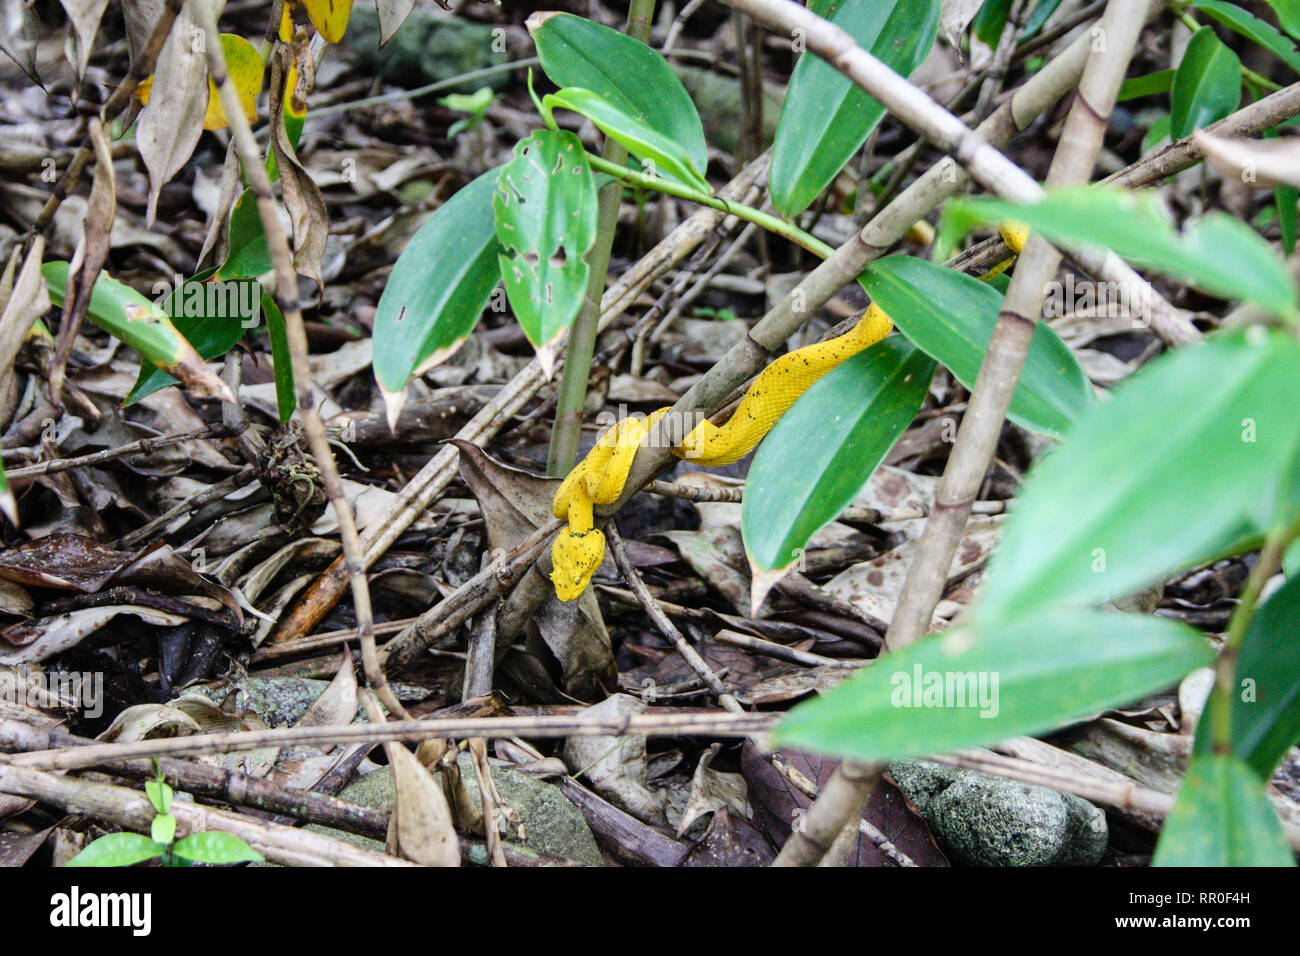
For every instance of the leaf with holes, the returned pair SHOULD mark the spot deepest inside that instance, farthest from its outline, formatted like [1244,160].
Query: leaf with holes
[545,212]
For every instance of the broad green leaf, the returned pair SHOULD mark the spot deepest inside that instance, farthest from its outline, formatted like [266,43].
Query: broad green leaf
[576,52]
[118,849]
[951,316]
[857,411]
[1185,460]
[438,287]
[665,155]
[1221,818]
[1157,132]
[1217,253]
[1286,197]
[215,847]
[160,794]
[211,314]
[1291,562]
[248,255]
[1252,28]
[121,311]
[1288,14]
[1207,86]
[545,209]
[1266,702]
[826,117]
[968,687]
[1149,85]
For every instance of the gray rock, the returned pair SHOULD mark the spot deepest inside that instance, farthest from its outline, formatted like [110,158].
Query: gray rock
[982,820]
[553,825]
[718,100]
[429,48]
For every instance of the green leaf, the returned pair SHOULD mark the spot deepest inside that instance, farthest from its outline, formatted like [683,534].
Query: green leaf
[248,255]
[665,156]
[1252,28]
[627,74]
[857,411]
[196,309]
[1207,86]
[1149,85]
[1043,10]
[118,849]
[968,687]
[1221,818]
[1266,703]
[826,117]
[163,828]
[1217,253]
[1157,132]
[215,847]
[1286,197]
[281,358]
[438,287]
[1182,462]
[545,209]
[160,795]
[1288,14]
[990,20]
[951,316]
[122,312]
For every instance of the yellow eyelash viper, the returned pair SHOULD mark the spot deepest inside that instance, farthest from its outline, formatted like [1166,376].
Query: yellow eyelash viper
[599,478]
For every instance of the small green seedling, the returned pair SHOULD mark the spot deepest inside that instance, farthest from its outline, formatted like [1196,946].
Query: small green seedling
[127,849]
[474,104]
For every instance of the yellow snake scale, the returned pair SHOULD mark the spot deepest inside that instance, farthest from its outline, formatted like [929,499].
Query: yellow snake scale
[599,478]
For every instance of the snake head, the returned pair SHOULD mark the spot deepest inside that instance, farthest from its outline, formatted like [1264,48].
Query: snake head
[575,556]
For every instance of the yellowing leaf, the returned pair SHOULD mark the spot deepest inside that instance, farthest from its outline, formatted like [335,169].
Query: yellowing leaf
[286,22]
[245,66]
[330,17]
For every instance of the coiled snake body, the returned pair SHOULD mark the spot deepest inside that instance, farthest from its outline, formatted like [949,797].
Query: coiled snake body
[599,478]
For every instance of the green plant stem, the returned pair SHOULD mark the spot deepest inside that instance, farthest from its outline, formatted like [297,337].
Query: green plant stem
[771,223]
[582,337]
[1219,708]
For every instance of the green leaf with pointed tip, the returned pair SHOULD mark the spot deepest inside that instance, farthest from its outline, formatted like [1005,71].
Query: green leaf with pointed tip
[545,209]
[1221,818]
[857,411]
[1217,253]
[438,287]
[281,358]
[576,52]
[1252,28]
[990,20]
[969,687]
[1266,704]
[118,849]
[215,847]
[1207,86]
[163,828]
[664,155]
[826,117]
[1184,461]
[951,317]
[1037,19]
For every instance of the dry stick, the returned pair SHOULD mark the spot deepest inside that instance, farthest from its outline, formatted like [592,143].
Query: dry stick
[434,477]
[701,724]
[286,295]
[582,337]
[129,809]
[143,446]
[141,68]
[231,483]
[996,74]
[982,424]
[716,687]
[886,228]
